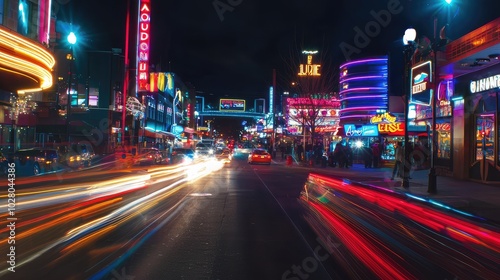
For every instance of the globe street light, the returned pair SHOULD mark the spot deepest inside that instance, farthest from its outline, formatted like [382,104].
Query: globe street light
[71,40]
[409,42]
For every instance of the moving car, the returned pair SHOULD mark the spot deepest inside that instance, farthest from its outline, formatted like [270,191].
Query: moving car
[243,149]
[203,149]
[182,154]
[149,156]
[259,156]
[35,161]
[77,154]
[225,155]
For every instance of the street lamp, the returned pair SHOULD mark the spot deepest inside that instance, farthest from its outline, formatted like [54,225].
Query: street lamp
[409,41]
[71,40]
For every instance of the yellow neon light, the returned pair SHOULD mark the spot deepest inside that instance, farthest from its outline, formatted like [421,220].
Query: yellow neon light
[40,64]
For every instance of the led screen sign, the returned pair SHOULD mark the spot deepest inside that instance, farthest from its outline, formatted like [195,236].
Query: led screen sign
[144,29]
[421,83]
[232,105]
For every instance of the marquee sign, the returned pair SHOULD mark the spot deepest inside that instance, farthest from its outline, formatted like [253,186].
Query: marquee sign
[143,45]
[421,83]
[309,69]
[387,124]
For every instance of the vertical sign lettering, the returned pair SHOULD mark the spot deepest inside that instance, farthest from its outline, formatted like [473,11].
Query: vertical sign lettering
[143,45]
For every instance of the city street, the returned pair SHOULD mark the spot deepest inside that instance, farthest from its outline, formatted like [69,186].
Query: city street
[238,222]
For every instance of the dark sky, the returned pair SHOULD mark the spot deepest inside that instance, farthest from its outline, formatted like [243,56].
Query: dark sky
[232,54]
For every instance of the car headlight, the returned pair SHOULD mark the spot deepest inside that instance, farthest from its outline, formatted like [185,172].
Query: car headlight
[211,151]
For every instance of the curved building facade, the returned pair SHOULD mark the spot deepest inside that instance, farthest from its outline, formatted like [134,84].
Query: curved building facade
[26,65]
[363,89]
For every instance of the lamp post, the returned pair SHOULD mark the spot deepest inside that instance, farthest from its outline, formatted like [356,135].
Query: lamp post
[71,40]
[408,40]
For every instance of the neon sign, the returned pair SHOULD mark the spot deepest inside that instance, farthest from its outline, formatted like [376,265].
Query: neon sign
[143,46]
[421,83]
[485,84]
[309,69]
[387,124]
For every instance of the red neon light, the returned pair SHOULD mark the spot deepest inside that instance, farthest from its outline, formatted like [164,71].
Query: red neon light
[143,49]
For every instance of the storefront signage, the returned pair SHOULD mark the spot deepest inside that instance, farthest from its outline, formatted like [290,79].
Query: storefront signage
[387,124]
[391,128]
[421,83]
[232,105]
[143,45]
[360,130]
[385,117]
[485,84]
[309,69]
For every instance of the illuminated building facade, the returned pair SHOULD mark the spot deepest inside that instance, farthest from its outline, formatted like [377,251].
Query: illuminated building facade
[26,65]
[363,89]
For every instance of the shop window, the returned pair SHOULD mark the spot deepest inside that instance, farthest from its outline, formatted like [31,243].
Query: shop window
[444,140]
[485,132]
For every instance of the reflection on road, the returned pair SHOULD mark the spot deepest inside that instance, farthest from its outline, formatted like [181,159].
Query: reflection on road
[54,221]
[389,235]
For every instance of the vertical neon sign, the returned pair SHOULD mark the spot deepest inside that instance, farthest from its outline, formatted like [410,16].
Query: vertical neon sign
[143,49]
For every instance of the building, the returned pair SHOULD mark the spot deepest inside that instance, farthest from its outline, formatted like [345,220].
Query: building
[470,71]
[26,64]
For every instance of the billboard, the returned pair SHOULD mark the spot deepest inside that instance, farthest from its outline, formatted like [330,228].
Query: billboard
[421,83]
[232,105]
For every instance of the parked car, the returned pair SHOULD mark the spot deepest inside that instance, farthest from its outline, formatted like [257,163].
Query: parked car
[182,154]
[76,154]
[259,156]
[149,156]
[35,161]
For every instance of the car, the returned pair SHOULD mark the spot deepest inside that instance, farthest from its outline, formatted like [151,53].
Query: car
[243,149]
[180,155]
[76,154]
[259,156]
[149,156]
[224,155]
[203,149]
[35,161]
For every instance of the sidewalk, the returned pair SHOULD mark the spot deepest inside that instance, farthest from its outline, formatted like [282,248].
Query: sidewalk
[472,197]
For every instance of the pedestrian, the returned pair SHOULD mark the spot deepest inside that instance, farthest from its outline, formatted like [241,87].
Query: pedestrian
[377,153]
[367,156]
[300,151]
[398,160]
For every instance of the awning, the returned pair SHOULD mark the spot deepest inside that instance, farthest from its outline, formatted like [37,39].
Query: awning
[160,134]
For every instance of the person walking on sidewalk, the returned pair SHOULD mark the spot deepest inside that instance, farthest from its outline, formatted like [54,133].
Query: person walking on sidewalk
[399,159]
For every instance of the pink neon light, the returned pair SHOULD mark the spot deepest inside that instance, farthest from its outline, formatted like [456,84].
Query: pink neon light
[364,88]
[143,40]
[383,96]
[362,78]
[361,108]
[362,61]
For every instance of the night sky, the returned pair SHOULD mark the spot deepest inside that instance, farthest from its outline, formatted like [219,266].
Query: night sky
[231,53]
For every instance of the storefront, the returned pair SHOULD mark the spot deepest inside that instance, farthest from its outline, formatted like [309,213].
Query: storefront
[480,107]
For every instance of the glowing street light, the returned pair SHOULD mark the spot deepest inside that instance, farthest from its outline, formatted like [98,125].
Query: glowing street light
[72,41]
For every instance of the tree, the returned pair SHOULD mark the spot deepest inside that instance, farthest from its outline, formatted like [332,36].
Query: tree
[312,80]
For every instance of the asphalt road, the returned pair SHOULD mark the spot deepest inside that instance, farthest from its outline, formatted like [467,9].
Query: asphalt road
[241,222]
